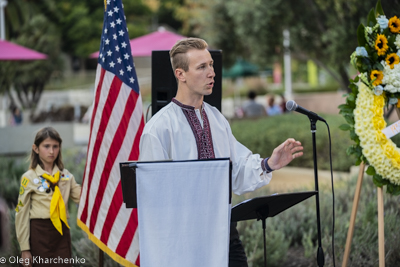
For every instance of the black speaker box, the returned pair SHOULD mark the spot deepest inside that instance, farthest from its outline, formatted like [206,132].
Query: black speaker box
[163,83]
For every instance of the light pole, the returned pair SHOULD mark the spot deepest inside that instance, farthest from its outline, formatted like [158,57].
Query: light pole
[287,64]
[3,4]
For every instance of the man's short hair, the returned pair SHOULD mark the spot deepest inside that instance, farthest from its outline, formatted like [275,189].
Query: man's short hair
[178,52]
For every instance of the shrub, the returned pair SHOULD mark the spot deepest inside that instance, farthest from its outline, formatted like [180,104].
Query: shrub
[263,135]
[298,227]
[291,235]
[11,171]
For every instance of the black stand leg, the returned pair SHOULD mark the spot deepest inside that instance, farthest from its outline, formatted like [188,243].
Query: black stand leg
[263,215]
[265,244]
[320,252]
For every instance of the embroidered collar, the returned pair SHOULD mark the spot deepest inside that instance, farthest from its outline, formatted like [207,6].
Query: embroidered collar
[186,106]
[205,148]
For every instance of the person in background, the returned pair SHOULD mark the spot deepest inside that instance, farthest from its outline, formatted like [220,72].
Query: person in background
[283,103]
[251,108]
[41,213]
[273,108]
[189,128]
[16,116]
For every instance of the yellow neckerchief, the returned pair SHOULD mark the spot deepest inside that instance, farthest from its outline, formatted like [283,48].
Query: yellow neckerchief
[57,206]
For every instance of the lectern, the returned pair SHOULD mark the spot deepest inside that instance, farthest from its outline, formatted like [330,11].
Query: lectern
[183,210]
[261,208]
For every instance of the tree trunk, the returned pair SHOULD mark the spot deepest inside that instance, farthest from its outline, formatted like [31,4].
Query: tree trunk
[345,79]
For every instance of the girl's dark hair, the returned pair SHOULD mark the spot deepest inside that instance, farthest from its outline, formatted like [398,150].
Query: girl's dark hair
[42,134]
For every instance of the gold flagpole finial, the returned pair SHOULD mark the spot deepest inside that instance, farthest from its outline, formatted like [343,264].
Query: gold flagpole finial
[105,5]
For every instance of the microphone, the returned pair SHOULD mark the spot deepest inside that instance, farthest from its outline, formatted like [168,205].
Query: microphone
[292,106]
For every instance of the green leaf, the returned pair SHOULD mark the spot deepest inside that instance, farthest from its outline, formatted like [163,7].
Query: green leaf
[342,106]
[352,104]
[350,150]
[391,40]
[353,88]
[379,9]
[357,140]
[378,181]
[349,120]
[360,35]
[358,152]
[393,189]
[386,32]
[358,162]
[351,97]
[371,170]
[377,66]
[353,136]
[371,20]
[344,127]
[346,111]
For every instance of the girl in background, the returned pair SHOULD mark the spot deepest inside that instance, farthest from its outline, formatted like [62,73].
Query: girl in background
[41,214]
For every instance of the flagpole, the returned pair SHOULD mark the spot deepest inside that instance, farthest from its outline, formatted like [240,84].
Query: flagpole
[101,258]
[117,115]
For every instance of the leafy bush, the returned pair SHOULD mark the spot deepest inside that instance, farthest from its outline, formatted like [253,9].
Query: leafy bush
[298,227]
[291,236]
[11,171]
[74,161]
[277,243]
[264,134]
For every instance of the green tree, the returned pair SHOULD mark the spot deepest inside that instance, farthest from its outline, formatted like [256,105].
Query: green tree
[30,78]
[165,12]
[80,24]
[54,27]
[28,27]
[321,30]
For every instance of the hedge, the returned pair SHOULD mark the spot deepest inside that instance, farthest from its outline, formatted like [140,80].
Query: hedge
[264,134]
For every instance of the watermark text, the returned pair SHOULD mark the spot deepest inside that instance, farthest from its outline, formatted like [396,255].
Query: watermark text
[41,260]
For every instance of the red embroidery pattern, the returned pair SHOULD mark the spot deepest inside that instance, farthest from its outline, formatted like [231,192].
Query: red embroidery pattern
[205,148]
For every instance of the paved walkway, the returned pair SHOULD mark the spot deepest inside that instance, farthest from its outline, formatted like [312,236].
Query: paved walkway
[289,178]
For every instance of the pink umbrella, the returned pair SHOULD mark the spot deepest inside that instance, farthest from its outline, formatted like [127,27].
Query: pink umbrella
[143,45]
[11,51]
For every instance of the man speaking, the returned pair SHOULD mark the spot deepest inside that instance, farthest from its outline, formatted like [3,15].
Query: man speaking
[188,129]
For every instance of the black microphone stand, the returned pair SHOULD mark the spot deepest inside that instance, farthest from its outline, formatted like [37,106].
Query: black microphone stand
[320,252]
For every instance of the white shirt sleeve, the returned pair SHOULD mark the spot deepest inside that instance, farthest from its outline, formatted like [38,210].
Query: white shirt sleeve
[247,173]
[151,148]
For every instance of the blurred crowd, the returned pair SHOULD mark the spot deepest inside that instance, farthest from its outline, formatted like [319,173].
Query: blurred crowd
[253,108]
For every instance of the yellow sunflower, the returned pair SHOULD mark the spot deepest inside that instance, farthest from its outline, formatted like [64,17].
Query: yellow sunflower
[381,44]
[394,24]
[392,59]
[378,76]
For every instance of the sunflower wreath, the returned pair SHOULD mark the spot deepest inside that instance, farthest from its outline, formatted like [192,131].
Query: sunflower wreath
[376,87]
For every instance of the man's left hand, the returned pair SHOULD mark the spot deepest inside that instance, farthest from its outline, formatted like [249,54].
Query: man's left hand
[285,153]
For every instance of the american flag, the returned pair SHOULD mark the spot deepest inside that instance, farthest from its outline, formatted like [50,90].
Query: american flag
[115,128]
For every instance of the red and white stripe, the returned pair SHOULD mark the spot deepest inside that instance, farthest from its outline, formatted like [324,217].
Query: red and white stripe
[116,126]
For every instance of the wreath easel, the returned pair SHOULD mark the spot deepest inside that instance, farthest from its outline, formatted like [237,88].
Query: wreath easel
[377,86]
